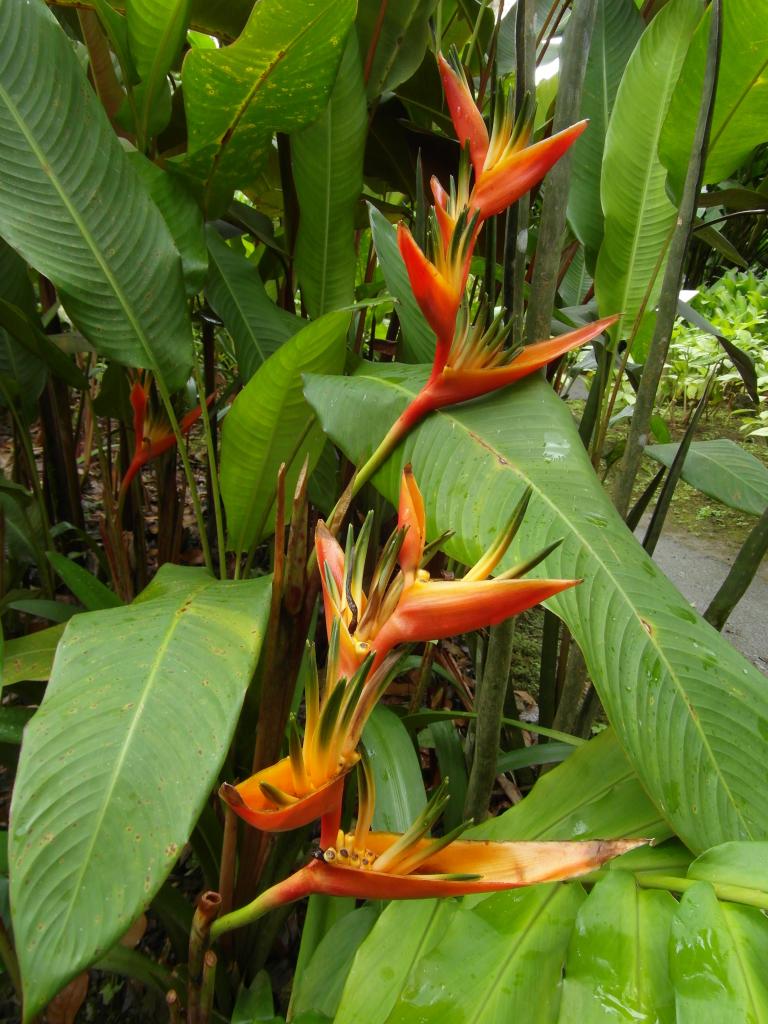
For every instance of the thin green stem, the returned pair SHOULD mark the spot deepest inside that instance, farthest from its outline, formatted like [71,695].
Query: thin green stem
[191,482]
[728,893]
[215,495]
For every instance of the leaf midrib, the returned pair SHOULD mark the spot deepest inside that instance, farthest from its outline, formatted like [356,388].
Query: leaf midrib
[649,638]
[85,233]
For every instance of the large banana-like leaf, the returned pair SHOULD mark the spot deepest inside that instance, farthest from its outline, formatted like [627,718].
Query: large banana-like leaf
[275,77]
[691,713]
[638,215]
[741,104]
[618,26]
[393,40]
[73,207]
[116,764]
[20,369]
[327,161]
[156,30]
[270,423]
[256,325]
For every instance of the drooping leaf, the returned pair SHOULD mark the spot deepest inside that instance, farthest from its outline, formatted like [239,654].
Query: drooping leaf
[275,77]
[718,967]
[618,26]
[399,788]
[16,361]
[638,214]
[723,470]
[118,761]
[418,338]
[73,207]
[741,102]
[690,711]
[256,325]
[618,962]
[270,423]
[327,162]
[89,590]
[156,30]
[30,657]
[393,40]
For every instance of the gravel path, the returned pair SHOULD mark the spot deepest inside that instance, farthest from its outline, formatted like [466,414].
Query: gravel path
[697,567]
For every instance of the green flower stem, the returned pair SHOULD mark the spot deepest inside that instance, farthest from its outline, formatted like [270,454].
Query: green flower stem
[295,887]
[215,496]
[729,893]
[191,482]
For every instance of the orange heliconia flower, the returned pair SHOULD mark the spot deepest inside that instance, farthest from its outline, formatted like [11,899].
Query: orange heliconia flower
[152,434]
[506,165]
[383,865]
[404,606]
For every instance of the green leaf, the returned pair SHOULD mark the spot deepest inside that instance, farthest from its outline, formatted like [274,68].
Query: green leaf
[393,48]
[42,608]
[327,162]
[638,215]
[275,77]
[12,722]
[254,1002]
[30,658]
[596,794]
[72,206]
[322,981]
[718,967]
[539,753]
[16,361]
[721,469]
[23,330]
[256,325]
[418,338]
[89,590]
[452,763]
[618,962]
[689,710]
[270,423]
[118,761]
[741,102]
[451,962]
[400,794]
[156,30]
[742,864]
[618,26]
[182,216]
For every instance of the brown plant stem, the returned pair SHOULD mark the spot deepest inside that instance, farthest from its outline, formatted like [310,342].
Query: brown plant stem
[174,1009]
[206,912]
[207,988]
